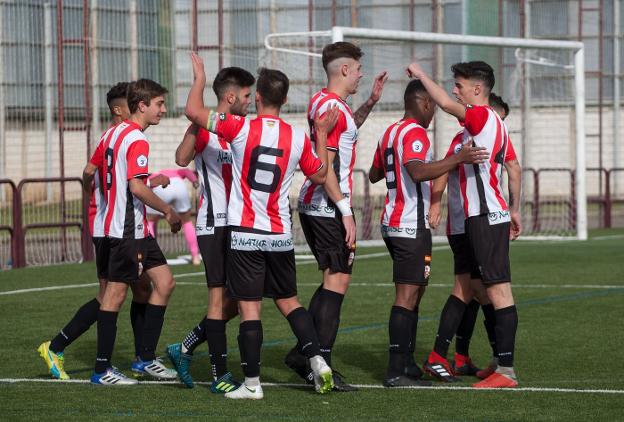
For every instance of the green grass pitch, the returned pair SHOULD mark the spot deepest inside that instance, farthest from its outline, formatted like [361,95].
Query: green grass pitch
[570,298]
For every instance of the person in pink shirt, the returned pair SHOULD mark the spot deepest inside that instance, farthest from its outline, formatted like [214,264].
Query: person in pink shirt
[176,195]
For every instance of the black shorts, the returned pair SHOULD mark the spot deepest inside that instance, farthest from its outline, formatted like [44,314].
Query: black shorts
[490,247]
[129,257]
[260,264]
[463,259]
[411,257]
[213,249]
[325,237]
[102,255]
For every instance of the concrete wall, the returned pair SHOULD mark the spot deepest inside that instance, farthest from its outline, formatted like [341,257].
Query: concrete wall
[551,134]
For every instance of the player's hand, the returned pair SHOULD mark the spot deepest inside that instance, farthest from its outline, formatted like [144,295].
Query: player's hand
[434,215]
[349,224]
[515,228]
[414,71]
[326,122]
[378,86]
[173,219]
[473,155]
[198,67]
[159,180]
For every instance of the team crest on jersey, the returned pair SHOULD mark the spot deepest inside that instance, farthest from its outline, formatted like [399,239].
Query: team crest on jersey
[141,161]
[270,123]
[417,146]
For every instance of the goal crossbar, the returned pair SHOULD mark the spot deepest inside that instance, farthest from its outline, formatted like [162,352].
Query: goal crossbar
[338,33]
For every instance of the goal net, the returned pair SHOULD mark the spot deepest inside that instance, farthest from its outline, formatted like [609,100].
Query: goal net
[539,79]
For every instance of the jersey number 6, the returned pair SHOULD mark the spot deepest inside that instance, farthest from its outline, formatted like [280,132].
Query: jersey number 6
[256,165]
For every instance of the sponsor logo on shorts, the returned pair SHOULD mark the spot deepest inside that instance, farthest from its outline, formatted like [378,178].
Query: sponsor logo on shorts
[427,266]
[261,242]
[498,217]
[204,230]
[317,210]
[407,232]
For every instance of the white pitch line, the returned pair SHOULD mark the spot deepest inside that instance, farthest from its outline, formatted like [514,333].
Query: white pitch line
[362,386]
[44,289]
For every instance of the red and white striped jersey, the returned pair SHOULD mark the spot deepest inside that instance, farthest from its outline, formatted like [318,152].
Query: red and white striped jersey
[124,153]
[265,154]
[342,139]
[213,161]
[480,185]
[455,205]
[97,201]
[407,202]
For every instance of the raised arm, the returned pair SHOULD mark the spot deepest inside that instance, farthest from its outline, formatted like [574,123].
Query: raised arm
[195,110]
[186,150]
[364,110]
[437,93]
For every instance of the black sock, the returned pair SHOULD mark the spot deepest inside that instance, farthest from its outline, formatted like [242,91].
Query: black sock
[154,319]
[82,320]
[106,333]
[490,326]
[506,326]
[449,321]
[137,319]
[466,328]
[195,337]
[326,316]
[409,360]
[250,344]
[217,346]
[313,308]
[303,328]
[399,326]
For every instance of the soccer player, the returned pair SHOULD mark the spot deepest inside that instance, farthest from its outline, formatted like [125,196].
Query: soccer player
[261,259]
[489,221]
[468,285]
[325,211]
[176,195]
[213,160]
[123,159]
[405,158]
[52,351]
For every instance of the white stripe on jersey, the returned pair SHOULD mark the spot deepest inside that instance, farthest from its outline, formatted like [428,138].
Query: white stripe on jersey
[455,220]
[313,198]
[254,206]
[401,208]
[488,179]
[97,229]
[117,205]
[210,164]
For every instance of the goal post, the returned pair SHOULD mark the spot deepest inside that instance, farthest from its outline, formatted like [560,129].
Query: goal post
[557,80]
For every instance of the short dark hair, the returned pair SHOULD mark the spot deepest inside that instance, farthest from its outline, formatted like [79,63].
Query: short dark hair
[143,90]
[272,86]
[339,50]
[229,76]
[497,103]
[413,87]
[478,70]
[116,92]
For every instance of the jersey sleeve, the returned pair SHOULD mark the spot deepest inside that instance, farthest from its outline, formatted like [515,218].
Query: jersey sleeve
[334,136]
[309,162]
[137,159]
[98,155]
[476,117]
[201,140]
[378,158]
[416,144]
[457,140]
[225,125]
[510,155]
